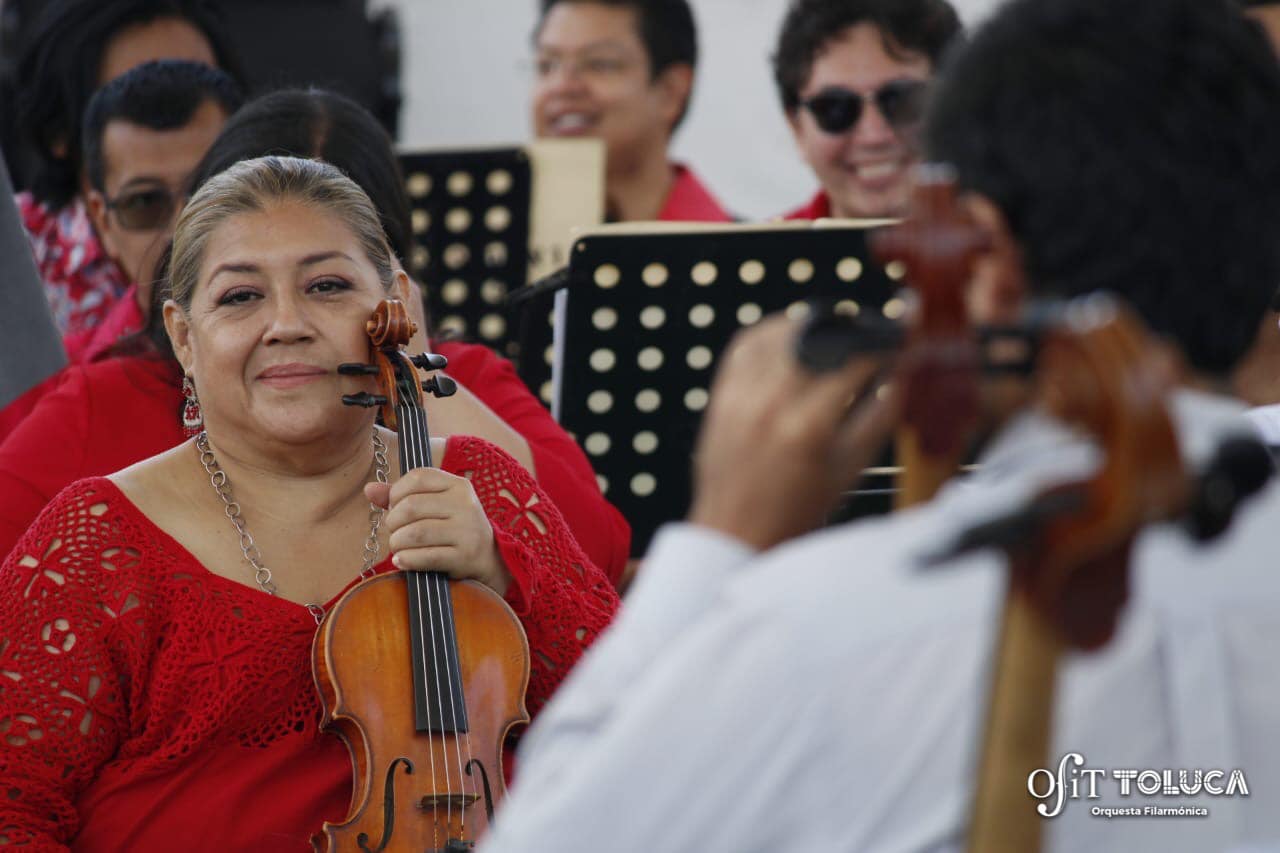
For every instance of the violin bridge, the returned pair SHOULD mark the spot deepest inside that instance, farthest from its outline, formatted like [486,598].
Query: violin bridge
[453,801]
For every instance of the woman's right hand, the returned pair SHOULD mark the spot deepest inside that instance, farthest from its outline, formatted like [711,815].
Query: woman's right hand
[437,524]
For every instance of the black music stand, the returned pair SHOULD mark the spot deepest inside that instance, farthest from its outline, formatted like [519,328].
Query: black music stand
[643,319]
[470,224]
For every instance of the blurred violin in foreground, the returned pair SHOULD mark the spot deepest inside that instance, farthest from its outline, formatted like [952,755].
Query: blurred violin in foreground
[1094,368]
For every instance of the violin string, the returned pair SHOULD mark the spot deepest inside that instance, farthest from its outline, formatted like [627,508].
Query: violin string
[440,583]
[462,700]
[441,589]
[432,608]
[417,458]
[415,579]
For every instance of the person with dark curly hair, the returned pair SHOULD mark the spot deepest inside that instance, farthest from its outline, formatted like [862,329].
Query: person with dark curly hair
[771,688]
[1257,379]
[853,76]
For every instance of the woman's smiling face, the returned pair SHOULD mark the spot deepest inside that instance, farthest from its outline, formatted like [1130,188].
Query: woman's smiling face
[281,300]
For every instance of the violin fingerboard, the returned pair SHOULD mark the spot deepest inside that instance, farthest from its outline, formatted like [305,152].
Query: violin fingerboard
[438,702]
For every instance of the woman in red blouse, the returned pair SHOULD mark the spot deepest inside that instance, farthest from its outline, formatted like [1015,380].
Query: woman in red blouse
[103,416]
[157,692]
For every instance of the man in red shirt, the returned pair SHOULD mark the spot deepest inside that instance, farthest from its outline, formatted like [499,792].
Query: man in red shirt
[853,76]
[622,71]
[144,134]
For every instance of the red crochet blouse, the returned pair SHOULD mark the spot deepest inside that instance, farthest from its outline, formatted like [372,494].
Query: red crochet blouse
[148,704]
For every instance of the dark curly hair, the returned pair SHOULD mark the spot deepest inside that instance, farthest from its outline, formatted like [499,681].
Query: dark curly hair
[1131,147]
[927,27]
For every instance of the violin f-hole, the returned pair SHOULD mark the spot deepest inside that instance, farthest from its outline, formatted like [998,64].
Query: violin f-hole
[388,807]
[477,764]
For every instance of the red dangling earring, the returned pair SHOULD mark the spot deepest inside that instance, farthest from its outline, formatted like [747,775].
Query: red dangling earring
[192,418]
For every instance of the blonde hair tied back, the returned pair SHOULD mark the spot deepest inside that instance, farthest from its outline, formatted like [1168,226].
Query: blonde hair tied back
[250,186]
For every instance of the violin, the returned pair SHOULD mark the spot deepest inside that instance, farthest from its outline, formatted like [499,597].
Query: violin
[421,676]
[1069,562]
[1096,369]
[938,366]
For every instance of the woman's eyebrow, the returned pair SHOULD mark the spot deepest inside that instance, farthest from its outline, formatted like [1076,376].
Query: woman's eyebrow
[323,256]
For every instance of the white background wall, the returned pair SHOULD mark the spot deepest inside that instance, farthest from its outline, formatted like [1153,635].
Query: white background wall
[468,68]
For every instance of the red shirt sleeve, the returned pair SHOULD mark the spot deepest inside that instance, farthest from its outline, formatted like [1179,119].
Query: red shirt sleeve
[563,600]
[42,455]
[100,418]
[562,468]
[12,415]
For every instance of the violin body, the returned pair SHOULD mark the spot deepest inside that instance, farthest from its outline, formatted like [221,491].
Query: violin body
[364,669]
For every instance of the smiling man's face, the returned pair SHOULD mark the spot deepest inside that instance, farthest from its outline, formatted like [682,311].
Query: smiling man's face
[594,78]
[866,169]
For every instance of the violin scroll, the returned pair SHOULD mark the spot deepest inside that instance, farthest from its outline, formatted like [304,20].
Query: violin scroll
[389,329]
[390,325]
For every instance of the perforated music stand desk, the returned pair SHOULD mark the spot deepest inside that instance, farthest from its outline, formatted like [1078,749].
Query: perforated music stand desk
[647,311]
[487,220]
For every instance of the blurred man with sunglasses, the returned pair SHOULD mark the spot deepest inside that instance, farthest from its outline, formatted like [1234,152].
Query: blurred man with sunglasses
[143,135]
[853,76]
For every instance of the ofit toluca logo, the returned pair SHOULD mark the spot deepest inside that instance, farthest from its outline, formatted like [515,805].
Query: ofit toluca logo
[1074,780]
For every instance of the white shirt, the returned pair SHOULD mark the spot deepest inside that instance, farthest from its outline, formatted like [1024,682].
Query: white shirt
[1267,421]
[828,695]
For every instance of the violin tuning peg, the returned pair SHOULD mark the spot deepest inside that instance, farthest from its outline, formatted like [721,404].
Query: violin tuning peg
[828,340]
[357,369]
[429,361]
[440,386]
[365,399]
[1241,466]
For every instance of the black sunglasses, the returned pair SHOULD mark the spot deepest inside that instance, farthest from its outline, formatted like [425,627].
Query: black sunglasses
[145,210]
[901,102]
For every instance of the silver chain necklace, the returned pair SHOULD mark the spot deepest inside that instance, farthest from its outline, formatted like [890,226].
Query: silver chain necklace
[252,555]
